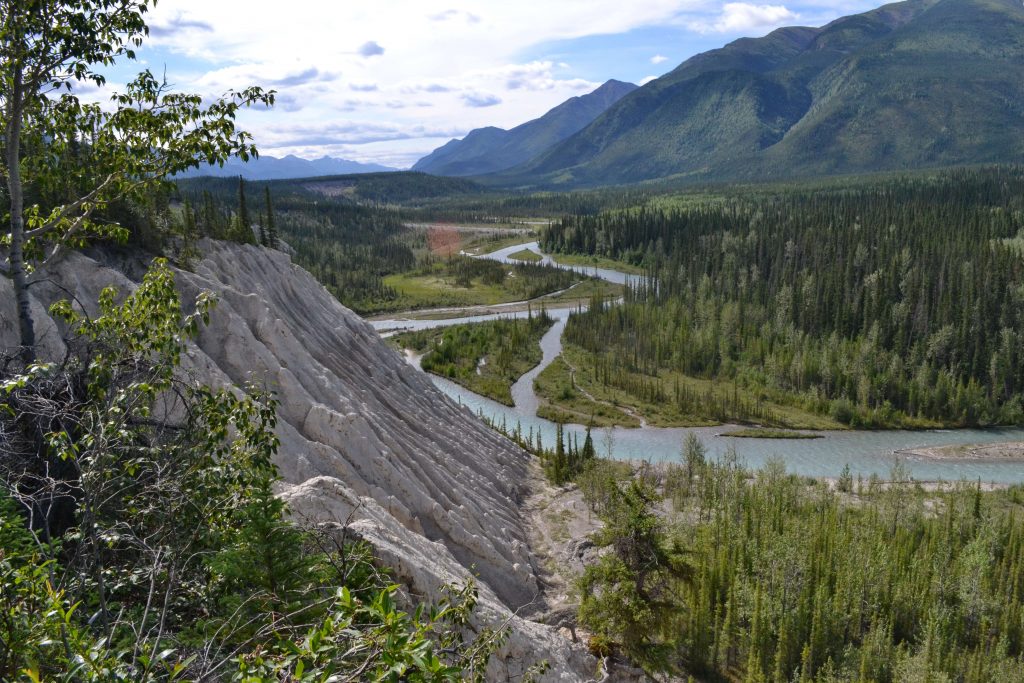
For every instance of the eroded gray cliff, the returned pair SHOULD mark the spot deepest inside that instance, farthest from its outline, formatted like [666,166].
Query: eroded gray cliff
[366,440]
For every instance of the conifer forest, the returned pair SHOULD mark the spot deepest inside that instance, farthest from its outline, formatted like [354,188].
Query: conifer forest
[887,303]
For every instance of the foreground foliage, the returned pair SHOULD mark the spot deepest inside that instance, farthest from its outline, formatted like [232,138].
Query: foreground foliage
[140,538]
[67,163]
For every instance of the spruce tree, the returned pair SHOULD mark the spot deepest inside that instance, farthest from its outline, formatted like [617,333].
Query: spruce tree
[588,452]
[210,224]
[559,469]
[271,231]
[265,569]
[243,227]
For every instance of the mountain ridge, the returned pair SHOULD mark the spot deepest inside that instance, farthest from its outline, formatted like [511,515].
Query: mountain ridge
[491,149]
[284,168]
[915,84]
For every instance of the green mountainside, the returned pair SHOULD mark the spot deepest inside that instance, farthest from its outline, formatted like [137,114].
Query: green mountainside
[486,150]
[916,84]
[455,155]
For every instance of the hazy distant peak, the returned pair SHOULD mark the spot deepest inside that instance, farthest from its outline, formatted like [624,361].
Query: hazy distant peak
[290,166]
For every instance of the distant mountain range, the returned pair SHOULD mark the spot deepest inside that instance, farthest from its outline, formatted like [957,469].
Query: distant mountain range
[272,168]
[916,84]
[486,150]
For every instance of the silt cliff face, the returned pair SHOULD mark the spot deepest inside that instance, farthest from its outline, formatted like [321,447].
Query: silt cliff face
[367,442]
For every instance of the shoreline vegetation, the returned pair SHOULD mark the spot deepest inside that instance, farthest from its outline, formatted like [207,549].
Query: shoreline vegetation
[526,255]
[580,382]
[764,433]
[590,261]
[486,358]
[465,281]
[562,402]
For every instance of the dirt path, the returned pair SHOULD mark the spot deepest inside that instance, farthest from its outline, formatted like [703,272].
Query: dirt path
[625,409]
[560,525]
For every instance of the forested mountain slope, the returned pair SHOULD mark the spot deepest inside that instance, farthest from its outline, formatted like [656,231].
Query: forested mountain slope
[917,84]
[490,149]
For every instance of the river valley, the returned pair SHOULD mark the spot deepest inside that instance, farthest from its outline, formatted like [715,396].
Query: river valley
[866,452]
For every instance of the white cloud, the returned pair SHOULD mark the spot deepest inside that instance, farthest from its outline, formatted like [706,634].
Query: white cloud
[371,49]
[432,66]
[430,63]
[740,17]
[178,24]
[451,14]
[480,100]
[647,79]
[534,76]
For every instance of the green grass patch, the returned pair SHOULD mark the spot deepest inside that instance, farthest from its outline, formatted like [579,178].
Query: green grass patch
[565,403]
[526,255]
[422,291]
[763,433]
[463,281]
[486,358]
[597,262]
[653,397]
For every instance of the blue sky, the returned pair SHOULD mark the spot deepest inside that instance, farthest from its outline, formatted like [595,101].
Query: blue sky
[388,81]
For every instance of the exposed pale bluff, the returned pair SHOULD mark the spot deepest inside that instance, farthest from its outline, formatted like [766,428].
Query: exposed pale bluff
[365,438]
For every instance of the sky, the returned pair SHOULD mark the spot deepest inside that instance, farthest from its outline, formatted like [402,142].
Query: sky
[387,81]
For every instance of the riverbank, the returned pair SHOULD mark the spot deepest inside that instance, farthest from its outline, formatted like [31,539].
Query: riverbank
[582,382]
[562,401]
[587,262]
[1005,452]
[762,433]
[579,294]
[486,358]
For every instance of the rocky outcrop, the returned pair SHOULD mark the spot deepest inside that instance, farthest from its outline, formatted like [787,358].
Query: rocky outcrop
[366,440]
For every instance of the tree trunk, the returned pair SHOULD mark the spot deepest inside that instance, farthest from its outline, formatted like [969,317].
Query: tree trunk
[17,254]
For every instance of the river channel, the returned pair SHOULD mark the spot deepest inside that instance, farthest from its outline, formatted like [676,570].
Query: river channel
[866,452]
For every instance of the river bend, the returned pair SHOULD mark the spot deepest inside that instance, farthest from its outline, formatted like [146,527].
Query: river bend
[866,452]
